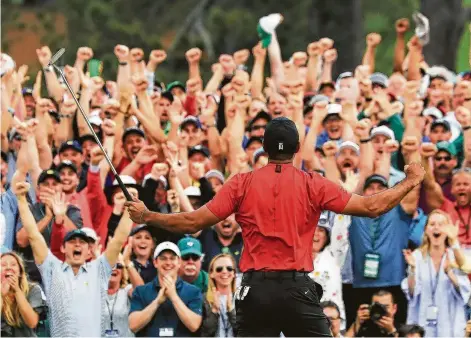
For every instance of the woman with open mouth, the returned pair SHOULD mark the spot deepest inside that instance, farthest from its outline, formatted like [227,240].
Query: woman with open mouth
[118,303]
[218,309]
[22,303]
[437,290]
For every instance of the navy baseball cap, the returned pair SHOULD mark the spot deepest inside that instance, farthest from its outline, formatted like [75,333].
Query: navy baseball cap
[190,120]
[168,95]
[441,122]
[376,178]
[281,137]
[132,130]
[50,173]
[198,149]
[71,144]
[252,140]
[66,164]
[87,137]
[139,228]
[77,233]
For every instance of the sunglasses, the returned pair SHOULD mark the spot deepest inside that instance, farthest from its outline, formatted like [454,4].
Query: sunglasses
[258,127]
[443,158]
[193,257]
[119,266]
[220,268]
[466,170]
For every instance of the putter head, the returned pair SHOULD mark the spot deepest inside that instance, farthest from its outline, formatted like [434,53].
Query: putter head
[56,56]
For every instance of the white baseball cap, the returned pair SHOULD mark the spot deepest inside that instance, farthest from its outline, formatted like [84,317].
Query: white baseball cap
[192,191]
[383,130]
[166,246]
[433,111]
[334,108]
[90,233]
[351,145]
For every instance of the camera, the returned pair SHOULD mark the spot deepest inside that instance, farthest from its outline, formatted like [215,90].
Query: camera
[377,311]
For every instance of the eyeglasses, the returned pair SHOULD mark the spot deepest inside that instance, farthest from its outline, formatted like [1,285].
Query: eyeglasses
[459,170]
[443,158]
[193,257]
[220,268]
[119,266]
[259,127]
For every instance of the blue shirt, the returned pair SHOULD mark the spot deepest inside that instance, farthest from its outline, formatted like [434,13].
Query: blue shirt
[9,207]
[392,232]
[166,316]
[416,228]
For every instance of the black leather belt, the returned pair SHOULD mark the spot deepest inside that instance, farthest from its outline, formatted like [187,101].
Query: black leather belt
[274,275]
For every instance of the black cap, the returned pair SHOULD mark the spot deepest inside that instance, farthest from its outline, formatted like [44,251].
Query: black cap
[66,164]
[168,95]
[281,137]
[261,115]
[132,130]
[326,84]
[441,122]
[375,178]
[71,144]
[252,140]
[77,233]
[86,137]
[50,173]
[4,156]
[139,228]
[198,149]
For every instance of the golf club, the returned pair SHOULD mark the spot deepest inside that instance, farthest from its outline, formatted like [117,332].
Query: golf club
[54,58]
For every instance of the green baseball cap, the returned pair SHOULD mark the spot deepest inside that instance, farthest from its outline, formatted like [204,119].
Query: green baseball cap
[190,245]
[175,84]
[448,147]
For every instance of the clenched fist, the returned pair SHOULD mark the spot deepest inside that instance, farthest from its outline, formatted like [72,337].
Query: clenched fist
[373,40]
[121,52]
[157,56]
[391,146]
[137,54]
[402,26]
[330,148]
[326,43]
[241,56]
[428,150]
[44,55]
[330,56]
[362,129]
[410,144]
[193,55]
[259,52]
[314,49]
[84,54]
[415,172]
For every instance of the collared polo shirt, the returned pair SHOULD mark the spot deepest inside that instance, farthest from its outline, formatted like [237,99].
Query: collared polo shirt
[76,302]
[212,246]
[391,232]
[462,215]
[166,316]
[147,272]
[277,207]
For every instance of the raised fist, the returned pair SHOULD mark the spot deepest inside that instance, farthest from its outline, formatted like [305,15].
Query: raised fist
[44,55]
[326,43]
[415,172]
[391,146]
[330,56]
[241,56]
[157,56]
[299,59]
[428,150]
[362,129]
[96,156]
[21,188]
[193,55]
[84,54]
[140,83]
[402,26]
[410,144]
[330,148]
[314,49]
[259,52]
[227,63]
[121,52]
[137,54]
[373,39]
[463,115]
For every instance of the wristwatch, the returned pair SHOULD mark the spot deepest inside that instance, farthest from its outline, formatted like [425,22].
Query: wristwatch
[366,140]
[130,265]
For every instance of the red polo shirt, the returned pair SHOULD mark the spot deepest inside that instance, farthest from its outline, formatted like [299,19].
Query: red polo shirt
[277,207]
[461,215]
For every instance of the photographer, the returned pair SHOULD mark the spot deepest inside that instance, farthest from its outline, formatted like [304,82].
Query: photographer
[377,319]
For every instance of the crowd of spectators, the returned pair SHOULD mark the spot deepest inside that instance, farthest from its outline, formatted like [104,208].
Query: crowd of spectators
[74,264]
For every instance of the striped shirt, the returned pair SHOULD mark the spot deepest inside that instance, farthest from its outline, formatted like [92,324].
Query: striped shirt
[76,302]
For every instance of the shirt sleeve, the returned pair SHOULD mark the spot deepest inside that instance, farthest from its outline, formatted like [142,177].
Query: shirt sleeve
[195,303]
[75,216]
[37,299]
[225,202]
[47,267]
[137,303]
[328,195]
[105,270]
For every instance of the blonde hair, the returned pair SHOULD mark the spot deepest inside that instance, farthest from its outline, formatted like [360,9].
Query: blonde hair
[425,246]
[10,310]
[212,283]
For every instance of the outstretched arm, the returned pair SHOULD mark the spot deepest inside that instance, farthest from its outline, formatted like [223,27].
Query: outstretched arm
[378,204]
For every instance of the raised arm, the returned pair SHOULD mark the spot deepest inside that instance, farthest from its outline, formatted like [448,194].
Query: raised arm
[372,41]
[433,192]
[378,204]
[36,240]
[402,26]
[120,235]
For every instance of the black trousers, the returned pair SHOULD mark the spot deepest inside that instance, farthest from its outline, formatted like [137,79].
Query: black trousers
[278,302]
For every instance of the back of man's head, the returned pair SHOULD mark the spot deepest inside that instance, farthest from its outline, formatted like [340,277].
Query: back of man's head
[411,331]
[281,139]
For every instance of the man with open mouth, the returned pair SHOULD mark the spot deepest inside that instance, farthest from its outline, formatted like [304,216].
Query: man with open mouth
[192,258]
[76,290]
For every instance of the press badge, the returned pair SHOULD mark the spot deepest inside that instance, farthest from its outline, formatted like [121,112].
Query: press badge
[432,315]
[111,333]
[166,332]
[371,268]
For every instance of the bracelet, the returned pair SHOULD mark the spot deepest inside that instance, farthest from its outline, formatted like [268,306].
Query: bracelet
[142,215]
[365,140]
[466,128]
[456,246]
[130,265]
[123,63]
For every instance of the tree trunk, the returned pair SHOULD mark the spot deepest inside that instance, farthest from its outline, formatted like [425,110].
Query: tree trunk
[342,22]
[447,19]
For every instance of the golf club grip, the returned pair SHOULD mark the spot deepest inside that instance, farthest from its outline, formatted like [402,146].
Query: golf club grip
[124,189]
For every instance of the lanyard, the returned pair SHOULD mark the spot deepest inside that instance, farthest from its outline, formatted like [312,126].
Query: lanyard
[462,220]
[433,286]
[374,232]
[111,312]
[225,323]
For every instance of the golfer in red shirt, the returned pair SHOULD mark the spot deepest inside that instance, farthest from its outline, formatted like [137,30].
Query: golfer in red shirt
[278,207]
